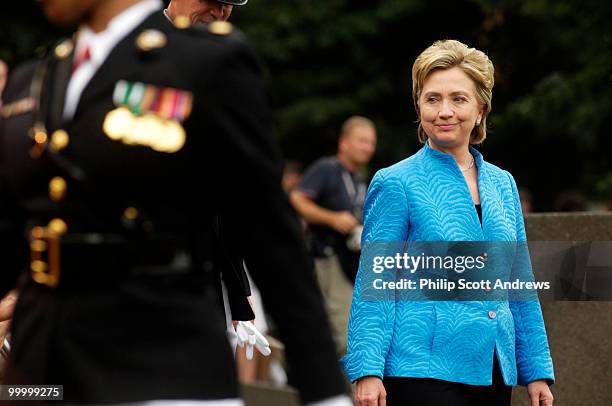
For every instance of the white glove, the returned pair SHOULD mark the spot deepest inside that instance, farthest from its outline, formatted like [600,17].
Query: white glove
[340,400]
[249,335]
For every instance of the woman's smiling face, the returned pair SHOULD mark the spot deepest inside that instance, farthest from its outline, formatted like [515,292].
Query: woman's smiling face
[448,107]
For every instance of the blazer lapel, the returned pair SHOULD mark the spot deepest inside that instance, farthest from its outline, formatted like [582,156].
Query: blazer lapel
[493,214]
[484,189]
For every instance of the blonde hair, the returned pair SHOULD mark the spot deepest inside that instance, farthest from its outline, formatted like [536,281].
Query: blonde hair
[448,54]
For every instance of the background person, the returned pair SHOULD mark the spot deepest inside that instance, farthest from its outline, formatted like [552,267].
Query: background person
[3,77]
[234,285]
[202,11]
[446,352]
[526,200]
[570,201]
[133,221]
[330,198]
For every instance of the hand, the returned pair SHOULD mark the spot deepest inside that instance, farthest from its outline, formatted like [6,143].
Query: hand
[7,305]
[343,222]
[249,335]
[540,393]
[370,392]
[5,327]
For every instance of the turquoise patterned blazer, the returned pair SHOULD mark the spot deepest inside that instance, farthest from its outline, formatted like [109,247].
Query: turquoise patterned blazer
[425,198]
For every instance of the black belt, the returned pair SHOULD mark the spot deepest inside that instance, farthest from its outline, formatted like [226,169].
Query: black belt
[93,259]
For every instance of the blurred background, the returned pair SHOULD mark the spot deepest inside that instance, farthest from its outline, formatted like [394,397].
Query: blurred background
[326,60]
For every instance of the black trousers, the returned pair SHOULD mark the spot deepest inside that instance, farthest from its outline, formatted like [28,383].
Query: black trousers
[435,392]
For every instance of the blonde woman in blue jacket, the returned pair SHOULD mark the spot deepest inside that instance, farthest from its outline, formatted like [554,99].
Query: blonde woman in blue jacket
[446,352]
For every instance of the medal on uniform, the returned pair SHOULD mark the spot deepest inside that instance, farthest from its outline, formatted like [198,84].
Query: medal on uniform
[146,129]
[146,115]
[118,123]
[172,139]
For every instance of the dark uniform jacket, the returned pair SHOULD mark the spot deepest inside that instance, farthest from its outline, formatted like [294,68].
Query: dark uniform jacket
[120,311]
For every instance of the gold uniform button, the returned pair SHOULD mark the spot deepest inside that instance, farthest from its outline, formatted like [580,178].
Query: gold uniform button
[38,266]
[38,246]
[182,22]
[151,39]
[58,227]
[220,28]
[64,49]
[59,140]
[40,277]
[37,233]
[131,213]
[57,188]
[40,137]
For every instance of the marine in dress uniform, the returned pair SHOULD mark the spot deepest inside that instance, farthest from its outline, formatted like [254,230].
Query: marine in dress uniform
[228,263]
[106,207]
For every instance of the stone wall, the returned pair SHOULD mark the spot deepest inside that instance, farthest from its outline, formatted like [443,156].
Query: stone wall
[579,333]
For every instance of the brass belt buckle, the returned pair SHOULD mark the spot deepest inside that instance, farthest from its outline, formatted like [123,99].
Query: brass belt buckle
[45,255]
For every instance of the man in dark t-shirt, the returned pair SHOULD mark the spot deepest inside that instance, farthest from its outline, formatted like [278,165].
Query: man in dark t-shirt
[331,185]
[330,198]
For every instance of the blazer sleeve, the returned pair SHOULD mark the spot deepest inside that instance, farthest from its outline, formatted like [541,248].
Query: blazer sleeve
[386,222]
[533,360]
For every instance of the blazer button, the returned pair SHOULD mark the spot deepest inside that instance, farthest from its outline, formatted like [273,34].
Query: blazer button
[492,314]
[57,189]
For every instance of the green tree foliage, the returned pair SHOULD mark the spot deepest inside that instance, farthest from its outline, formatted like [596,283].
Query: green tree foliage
[560,54]
[328,59]
[552,100]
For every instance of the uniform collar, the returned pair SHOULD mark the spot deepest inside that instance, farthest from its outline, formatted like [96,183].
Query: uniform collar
[167,16]
[103,42]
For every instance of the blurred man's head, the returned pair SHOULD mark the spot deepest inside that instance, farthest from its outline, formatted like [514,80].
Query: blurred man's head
[66,11]
[75,11]
[357,142]
[202,11]
[525,197]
